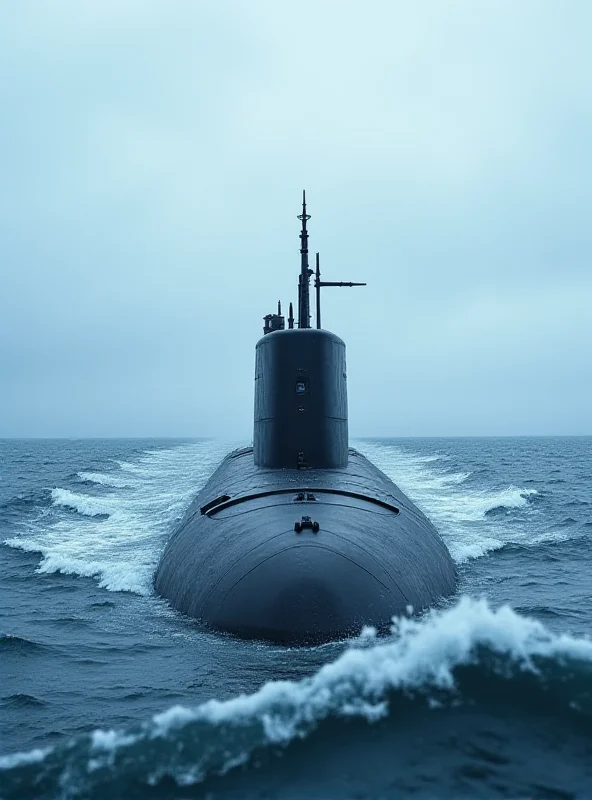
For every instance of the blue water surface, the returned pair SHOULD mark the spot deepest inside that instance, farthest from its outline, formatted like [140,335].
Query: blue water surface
[86,646]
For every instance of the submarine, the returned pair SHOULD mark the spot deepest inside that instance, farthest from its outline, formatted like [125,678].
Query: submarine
[299,539]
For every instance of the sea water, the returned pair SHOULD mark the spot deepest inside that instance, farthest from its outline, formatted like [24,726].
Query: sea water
[105,691]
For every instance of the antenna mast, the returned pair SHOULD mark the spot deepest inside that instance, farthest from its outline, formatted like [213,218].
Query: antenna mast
[305,272]
[319,283]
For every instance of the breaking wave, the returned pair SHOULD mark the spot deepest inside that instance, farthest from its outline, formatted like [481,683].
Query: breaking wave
[452,669]
[82,503]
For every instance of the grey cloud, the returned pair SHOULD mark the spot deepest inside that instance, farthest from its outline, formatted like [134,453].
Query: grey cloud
[152,158]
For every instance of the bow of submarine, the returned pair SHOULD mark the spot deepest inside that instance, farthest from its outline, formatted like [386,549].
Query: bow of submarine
[240,566]
[305,593]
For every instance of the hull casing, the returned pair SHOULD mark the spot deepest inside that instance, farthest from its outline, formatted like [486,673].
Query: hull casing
[298,556]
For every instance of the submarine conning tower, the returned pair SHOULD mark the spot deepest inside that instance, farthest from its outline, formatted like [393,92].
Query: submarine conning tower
[300,419]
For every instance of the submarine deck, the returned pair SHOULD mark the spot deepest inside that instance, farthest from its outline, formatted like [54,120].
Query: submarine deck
[297,556]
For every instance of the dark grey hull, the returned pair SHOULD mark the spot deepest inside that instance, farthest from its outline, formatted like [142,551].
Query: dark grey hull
[237,564]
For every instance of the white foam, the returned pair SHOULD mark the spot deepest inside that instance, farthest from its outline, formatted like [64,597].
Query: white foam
[460,512]
[122,551]
[475,505]
[106,479]
[83,503]
[423,657]
[110,740]
[473,547]
[23,759]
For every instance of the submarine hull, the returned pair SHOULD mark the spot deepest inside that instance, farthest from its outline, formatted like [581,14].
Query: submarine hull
[296,556]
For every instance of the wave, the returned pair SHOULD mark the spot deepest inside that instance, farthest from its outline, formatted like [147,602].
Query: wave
[468,657]
[106,479]
[116,537]
[82,503]
[27,500]
[10,643]
[23,701]
[473,521]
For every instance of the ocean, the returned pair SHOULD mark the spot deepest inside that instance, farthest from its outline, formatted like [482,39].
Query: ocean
[105,691]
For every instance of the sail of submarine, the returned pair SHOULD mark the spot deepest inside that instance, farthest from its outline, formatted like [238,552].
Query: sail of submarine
[300,539]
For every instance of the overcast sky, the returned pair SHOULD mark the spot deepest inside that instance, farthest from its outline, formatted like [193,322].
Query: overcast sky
[152,159]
